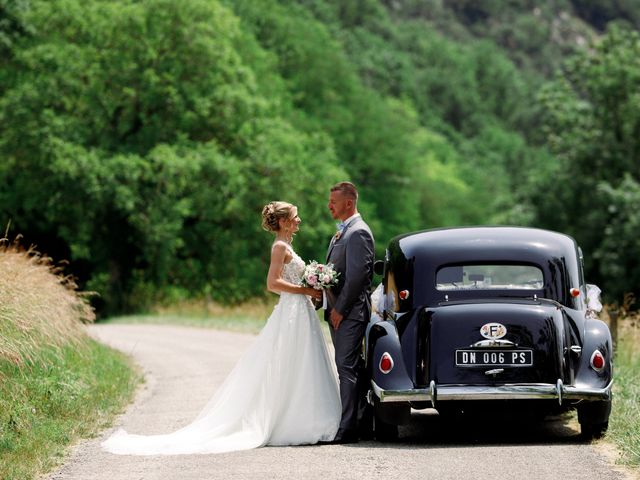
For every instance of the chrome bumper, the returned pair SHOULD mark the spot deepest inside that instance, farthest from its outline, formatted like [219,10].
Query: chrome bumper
[502,392]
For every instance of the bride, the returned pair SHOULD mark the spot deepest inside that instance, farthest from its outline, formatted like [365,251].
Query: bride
[283,391]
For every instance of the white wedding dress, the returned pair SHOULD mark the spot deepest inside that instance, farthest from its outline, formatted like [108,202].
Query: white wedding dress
[283,391]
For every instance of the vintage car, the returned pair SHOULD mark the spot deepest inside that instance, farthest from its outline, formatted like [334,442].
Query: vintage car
[482,318]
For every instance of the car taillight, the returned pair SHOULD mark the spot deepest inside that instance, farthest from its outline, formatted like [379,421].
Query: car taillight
[597,361]
[386,363]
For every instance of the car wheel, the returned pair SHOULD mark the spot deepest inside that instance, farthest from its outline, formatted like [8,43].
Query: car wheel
[594,418]
[593,430]
[383,431]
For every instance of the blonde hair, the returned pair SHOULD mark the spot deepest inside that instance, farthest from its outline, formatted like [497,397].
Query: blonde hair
[273,212]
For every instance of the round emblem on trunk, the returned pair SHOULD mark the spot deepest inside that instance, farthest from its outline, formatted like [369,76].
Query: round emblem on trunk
[493,330]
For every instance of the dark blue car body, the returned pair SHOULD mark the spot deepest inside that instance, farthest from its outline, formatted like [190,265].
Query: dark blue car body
[456,339]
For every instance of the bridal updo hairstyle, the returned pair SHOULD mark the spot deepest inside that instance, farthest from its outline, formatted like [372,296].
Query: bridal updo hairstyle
[273,212]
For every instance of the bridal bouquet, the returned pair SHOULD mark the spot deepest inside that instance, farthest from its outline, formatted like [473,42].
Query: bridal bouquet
[319,276]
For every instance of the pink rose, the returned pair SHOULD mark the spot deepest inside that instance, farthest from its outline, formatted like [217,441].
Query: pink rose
[312,280]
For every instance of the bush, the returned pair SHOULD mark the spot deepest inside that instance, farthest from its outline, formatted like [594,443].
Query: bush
[39,308]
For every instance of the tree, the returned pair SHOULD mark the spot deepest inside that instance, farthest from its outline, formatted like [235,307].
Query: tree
[592,125]
[140,141]
[619,250]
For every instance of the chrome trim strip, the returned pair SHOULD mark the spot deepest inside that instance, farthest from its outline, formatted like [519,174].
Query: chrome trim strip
[587,393]
[559,390]
[494,343]
[432,392]
[413,395]
[503,392]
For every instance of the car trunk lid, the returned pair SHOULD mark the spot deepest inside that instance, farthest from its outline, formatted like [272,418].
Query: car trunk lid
[496,343]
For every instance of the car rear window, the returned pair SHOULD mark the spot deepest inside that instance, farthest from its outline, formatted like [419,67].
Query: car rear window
[489,277]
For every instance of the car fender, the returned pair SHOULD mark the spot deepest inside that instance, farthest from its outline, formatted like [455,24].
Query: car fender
[597,337]
[383,337]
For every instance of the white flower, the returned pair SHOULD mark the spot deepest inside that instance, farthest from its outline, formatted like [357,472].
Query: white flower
[319,276]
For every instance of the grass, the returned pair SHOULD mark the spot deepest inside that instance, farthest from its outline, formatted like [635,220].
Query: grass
[624,425]
[249,317]
[73,392]
[56,384]
[234,324]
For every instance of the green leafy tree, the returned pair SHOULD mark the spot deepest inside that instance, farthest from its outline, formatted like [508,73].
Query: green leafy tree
[137,141]
[13,27]
[369,132]
[618,253]
[593,127]
[140,140]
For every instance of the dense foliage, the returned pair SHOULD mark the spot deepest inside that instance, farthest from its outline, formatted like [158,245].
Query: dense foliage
[592,124]
[139,140]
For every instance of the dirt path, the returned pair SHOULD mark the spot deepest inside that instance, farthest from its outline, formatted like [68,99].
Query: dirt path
[184,366]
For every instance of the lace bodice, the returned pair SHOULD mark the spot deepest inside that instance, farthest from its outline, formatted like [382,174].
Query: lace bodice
[292,271]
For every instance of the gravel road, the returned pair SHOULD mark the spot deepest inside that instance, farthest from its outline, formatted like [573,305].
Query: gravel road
[183,366]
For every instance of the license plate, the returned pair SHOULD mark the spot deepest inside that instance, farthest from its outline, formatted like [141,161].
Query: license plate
[491,358]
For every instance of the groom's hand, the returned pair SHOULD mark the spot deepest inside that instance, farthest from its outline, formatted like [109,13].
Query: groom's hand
[317,303]
[336,318]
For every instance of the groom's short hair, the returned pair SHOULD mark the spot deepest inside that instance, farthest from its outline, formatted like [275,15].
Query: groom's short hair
[348,189]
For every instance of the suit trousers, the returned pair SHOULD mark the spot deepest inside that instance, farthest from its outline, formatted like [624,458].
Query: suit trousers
[347,341]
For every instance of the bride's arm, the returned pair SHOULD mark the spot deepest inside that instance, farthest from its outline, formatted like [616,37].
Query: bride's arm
[276,283]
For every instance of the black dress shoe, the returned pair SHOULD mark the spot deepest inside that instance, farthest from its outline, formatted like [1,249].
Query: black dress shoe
[365,434]
[348,438]
[326,442]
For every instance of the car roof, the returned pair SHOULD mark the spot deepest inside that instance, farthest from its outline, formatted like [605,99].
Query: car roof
[487,243]
[414,259]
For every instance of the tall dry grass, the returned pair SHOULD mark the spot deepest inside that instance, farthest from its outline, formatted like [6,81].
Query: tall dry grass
[39,306]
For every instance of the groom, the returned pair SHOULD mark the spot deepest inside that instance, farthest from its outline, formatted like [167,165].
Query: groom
[348,303]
